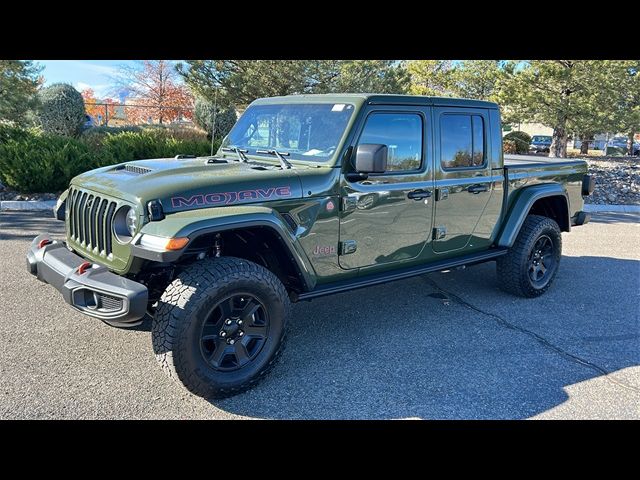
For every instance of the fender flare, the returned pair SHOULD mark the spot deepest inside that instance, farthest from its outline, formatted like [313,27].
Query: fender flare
[519,210]
[218,220]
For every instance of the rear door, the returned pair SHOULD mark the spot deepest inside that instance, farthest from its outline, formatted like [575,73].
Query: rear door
[386,218]
[463,177]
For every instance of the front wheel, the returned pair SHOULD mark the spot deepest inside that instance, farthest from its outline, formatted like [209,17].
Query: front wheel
[219,326]
[531,264]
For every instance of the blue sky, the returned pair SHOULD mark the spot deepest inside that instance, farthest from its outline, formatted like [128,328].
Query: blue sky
[82,74]
[95,74]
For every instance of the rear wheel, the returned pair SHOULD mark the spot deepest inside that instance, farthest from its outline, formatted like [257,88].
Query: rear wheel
[532,262]
[219,327]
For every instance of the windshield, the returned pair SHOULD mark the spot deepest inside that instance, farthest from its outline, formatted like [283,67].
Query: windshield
[305,131]
[541,139]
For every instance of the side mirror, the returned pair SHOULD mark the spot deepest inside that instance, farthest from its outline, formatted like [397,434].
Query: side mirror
[371,158]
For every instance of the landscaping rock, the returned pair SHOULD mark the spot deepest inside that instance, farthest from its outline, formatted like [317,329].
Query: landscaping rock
[617,181]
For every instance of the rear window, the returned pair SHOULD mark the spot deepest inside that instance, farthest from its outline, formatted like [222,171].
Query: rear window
[462,142]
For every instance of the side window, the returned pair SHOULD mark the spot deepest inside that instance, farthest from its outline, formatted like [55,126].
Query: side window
[461,141]
[401,133]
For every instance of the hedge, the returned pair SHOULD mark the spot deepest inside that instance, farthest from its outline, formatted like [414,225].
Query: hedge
[522,140]
[33,161]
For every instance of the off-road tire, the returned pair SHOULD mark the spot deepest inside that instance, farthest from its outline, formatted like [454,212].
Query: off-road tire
[513,268]
[185,306]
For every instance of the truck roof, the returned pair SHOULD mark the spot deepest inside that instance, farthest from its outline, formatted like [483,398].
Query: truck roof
[377,99]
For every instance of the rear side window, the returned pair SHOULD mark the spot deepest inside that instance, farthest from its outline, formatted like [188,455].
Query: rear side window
[462,142]
[401,133]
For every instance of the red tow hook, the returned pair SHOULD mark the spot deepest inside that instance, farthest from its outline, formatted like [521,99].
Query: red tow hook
[44,242]
[83,267]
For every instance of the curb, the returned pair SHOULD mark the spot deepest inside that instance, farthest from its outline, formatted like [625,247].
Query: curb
[27,205]
[592,208]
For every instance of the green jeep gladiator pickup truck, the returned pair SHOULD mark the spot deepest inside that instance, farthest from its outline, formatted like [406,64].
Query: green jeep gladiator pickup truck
[308,195]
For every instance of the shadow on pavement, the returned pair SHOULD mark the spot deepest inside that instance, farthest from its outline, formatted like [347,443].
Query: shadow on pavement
[399,351]
[614,217]
[27,225]
[394,352]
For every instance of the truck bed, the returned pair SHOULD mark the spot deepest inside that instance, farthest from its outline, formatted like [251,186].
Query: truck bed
[523,161]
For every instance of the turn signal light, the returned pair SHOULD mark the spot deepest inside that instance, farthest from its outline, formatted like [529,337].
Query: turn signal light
[177,243]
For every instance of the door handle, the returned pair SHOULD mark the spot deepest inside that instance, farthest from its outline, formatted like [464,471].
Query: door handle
[477,189]
[419,194]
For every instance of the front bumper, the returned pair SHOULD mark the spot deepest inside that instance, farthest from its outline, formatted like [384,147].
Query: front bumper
[540,149]
[95,291]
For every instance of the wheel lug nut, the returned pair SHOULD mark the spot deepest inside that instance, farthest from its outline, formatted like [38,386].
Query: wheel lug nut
[240,333]
[223,334]
[232,341]
[239,322]
[228,322]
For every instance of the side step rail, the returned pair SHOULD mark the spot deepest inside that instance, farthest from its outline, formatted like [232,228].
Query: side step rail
[378,278]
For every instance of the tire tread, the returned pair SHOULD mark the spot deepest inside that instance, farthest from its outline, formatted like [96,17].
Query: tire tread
[512,276]
[175,305]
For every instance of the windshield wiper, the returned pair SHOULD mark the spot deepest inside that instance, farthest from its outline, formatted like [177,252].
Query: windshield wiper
[283,161]
[238,151]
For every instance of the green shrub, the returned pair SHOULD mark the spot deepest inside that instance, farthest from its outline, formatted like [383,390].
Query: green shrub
[145,144]
[508,146]
[94,136]
[32,161]
[180,132]
[522,141]
[613,151]
[61,110]
[42,163]
[203,117]
[10,131]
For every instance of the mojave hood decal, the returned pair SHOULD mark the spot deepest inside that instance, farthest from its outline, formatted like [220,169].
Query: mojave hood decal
[230,198]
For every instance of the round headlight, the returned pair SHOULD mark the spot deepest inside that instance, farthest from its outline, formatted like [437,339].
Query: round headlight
[132,222]
[125,224]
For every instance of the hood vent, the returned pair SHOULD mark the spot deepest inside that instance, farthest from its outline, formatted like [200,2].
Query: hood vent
[135,169]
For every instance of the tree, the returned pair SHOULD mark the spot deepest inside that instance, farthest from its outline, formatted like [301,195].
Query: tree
[154,89]
[362,76]
[568,95]
[204,114]
[61,110]
[431,77]
[107,109]
[628,105]
[239,82]
[19,82]
[478,79]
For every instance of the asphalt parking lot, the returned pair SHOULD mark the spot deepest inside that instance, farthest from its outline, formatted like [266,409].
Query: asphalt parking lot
[441,346]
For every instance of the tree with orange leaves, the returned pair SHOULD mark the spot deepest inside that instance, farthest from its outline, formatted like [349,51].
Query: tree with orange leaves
[106,108]
[154,92]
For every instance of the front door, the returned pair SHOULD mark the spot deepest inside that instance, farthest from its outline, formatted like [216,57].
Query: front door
[387,217]
[463,178]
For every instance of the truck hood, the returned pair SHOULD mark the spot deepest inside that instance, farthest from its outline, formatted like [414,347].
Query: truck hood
[187,184]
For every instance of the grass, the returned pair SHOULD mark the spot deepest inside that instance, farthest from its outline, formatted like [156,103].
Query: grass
[575,152]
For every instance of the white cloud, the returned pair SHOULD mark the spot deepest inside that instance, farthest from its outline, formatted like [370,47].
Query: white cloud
[99,90]
[93,67]
[82,86]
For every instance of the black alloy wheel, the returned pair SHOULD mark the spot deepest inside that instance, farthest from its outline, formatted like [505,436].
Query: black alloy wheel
[542,262]
[234,332]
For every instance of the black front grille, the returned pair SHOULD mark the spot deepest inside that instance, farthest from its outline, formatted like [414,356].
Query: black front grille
[90,217]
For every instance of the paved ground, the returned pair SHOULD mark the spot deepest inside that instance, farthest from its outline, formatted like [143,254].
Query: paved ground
[394,351]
